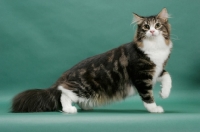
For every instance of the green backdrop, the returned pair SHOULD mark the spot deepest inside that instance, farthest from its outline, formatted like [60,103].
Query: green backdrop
[40,39]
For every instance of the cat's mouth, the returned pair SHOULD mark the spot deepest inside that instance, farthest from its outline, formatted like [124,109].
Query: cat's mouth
[152,35]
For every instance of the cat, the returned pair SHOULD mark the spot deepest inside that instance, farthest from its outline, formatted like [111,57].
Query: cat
[111,76]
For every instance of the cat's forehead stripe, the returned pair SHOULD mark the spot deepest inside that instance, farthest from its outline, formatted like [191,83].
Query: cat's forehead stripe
[151,21]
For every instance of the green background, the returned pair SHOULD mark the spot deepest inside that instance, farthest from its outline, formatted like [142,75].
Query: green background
[40,39]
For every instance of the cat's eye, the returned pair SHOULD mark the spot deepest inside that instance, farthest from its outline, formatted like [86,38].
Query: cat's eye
[157,25]
[146,26]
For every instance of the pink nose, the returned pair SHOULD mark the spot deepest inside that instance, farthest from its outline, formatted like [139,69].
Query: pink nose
[152,31]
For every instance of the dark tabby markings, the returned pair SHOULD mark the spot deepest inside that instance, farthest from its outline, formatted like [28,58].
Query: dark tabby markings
[110,58]
[148,82]
[123,59]
[96,83]
[147,96]
[83,80]
[93,75]
[95,68]
[107,73]
[124,63]
[115,69]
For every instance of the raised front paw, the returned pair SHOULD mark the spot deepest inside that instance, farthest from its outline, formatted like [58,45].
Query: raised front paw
[164,93]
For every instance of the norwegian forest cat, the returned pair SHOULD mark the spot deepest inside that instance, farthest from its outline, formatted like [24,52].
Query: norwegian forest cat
[111,76]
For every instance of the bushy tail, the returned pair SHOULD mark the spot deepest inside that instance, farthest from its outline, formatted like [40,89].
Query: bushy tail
[37,100]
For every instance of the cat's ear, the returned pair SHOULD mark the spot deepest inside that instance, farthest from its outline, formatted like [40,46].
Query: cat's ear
[163,15]
[137,19]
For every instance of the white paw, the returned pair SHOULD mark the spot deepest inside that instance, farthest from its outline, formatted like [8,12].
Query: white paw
[70,110]
[153,108]
[164,93]
[157,109]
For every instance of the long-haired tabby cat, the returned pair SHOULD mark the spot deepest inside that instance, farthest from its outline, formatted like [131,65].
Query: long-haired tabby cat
[111,76]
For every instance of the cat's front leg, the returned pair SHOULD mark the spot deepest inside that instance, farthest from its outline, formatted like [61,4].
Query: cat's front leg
[166,84]
[144,89]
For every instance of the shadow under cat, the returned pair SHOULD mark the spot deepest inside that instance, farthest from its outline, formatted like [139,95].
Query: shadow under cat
[125,111]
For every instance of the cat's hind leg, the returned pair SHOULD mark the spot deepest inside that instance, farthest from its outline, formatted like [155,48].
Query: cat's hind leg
[67,98]
[166,84]
[85,105]
[67,104]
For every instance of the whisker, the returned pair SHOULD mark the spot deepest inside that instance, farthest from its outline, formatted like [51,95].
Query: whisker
[174,37]
[134,24]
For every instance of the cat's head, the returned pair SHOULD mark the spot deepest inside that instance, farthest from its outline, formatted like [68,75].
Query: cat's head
[152,26]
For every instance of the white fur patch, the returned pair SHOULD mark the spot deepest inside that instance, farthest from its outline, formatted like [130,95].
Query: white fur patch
[166,84]
[67,97]
[158,51]
[84,103]
[67,104]
[153,108]
[73,97]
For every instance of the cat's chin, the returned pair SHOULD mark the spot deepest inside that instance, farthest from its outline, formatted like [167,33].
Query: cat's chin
[151,37]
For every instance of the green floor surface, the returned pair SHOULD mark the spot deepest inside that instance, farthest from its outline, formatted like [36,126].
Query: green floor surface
[182,113]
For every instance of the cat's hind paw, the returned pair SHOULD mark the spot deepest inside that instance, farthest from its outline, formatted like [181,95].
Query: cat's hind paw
[70,110]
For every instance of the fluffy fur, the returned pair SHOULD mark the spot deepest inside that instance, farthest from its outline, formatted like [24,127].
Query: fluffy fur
[111,76]
[37,100]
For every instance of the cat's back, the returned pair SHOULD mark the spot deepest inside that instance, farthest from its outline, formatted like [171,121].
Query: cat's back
[107,58]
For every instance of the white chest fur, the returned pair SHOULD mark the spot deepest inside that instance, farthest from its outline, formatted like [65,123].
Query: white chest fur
[158,51]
